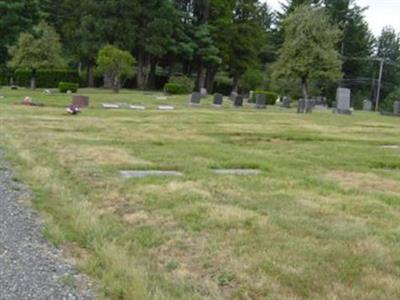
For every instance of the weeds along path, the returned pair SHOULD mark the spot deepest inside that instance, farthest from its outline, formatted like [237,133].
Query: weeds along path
[30,268]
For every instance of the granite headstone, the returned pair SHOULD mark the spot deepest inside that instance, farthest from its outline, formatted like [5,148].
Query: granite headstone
[218,99]
[396,107]
[343,101]
[367,105]
[238,102]
[301,106]
[261,101]
[195,98]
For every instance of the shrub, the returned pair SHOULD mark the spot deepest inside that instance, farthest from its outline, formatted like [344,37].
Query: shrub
[174,88]
[116,64]
[65,86]
[186,84]
[271,97]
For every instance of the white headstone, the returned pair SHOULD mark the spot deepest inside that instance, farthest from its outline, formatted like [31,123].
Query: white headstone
[343,99]
[367,105]
[203,92]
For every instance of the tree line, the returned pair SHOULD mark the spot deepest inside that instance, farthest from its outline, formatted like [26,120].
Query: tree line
[236,41]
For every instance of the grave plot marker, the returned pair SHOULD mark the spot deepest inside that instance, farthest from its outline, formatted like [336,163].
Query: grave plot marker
[367,105]
[149,173]
[195,99]
[238,102]
[218,99]
[343,101]
[261,101]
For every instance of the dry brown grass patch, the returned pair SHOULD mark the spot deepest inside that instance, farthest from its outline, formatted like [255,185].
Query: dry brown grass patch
[100,155]
[369,182]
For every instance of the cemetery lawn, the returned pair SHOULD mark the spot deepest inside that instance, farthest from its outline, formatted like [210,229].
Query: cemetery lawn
[322,220]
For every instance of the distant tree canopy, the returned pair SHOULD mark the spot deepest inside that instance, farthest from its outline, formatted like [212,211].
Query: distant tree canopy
[201,39]
[41,49]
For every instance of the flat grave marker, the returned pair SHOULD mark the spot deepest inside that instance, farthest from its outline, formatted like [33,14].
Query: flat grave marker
[137,107]
[149,173]
[166,107]
[236,171]
[110,106]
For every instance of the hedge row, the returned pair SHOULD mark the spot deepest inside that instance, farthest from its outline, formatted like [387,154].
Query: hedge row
[46,78]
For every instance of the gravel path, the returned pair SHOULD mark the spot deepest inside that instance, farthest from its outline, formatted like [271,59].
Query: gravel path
[30,268]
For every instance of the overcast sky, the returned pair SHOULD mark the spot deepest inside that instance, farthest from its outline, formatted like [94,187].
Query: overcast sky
[379,14]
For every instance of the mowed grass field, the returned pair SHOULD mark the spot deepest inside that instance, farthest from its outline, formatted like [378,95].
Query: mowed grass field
[322,220]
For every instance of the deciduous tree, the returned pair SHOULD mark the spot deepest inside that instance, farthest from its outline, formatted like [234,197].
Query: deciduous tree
[116,64]
[309,50]
[41,49]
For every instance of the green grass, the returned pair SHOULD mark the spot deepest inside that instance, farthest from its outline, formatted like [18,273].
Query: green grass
[322,221]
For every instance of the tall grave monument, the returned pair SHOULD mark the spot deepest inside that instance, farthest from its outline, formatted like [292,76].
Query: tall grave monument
[343,101]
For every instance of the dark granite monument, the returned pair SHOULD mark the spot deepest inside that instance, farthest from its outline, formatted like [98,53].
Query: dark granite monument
[218,99]
[195,99]
[238,102]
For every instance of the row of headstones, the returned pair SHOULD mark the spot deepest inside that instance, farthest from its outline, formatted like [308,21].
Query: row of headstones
[341,106]
[237,100]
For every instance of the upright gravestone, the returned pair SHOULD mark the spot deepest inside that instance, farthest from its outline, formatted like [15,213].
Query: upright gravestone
[261,101]
[286,102]
[195,99]
[396,107]
[203,92]
[343,101]
[367,105]
[308,105]
[107,81]
[251,95]
[80,101]
[301,106]
[218,99]
[233,96]
[238,102]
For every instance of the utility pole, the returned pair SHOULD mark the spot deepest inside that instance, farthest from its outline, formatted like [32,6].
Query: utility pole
[378,92]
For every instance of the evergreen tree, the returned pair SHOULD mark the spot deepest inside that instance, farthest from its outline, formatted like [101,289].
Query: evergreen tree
[356,43]
[15,17]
